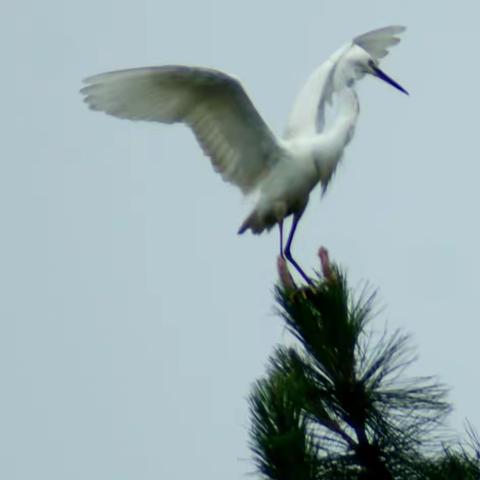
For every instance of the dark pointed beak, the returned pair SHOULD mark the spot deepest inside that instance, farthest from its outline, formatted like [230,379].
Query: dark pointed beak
[380,74]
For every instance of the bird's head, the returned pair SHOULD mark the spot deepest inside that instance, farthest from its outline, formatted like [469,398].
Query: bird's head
[373,69]
[359,62]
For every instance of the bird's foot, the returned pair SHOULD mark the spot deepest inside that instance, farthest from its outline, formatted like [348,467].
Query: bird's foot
[286,278]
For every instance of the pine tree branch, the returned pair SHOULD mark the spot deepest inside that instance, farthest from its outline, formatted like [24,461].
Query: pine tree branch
[337,404]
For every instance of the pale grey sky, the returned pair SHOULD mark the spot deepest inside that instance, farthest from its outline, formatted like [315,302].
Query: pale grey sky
[134,319]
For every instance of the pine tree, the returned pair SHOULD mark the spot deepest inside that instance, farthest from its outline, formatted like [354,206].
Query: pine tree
[337,404]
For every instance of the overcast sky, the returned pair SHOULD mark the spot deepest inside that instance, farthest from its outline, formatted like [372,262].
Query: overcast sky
[134,319]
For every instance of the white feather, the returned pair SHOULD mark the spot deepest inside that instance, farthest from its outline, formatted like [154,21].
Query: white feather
[232,133]
[227,125]
[377,42]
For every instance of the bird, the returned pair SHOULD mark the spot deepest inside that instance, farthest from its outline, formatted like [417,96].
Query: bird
[280,171]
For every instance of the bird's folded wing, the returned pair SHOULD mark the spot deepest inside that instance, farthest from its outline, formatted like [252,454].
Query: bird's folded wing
[228,127]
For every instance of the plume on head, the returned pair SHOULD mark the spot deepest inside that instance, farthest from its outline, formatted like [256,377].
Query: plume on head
[377,42]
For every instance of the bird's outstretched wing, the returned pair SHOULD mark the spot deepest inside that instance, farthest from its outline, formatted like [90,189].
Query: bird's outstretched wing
[228,127]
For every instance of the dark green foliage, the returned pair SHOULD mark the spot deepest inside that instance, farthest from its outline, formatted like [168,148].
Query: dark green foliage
[283,445]
[336,404]
[460,463]
[452,466]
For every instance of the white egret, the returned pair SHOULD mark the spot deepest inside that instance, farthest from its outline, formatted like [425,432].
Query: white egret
[241,147]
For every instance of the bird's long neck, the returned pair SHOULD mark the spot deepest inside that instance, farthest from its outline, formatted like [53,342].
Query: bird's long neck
[342,127]
[331,142]
[325,114]
[307,115]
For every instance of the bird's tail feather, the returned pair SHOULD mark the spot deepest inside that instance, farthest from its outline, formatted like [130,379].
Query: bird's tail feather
[257,223]
[253,223]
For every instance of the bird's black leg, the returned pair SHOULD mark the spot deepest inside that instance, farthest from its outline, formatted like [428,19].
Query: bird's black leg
[280,228]
[288,253]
